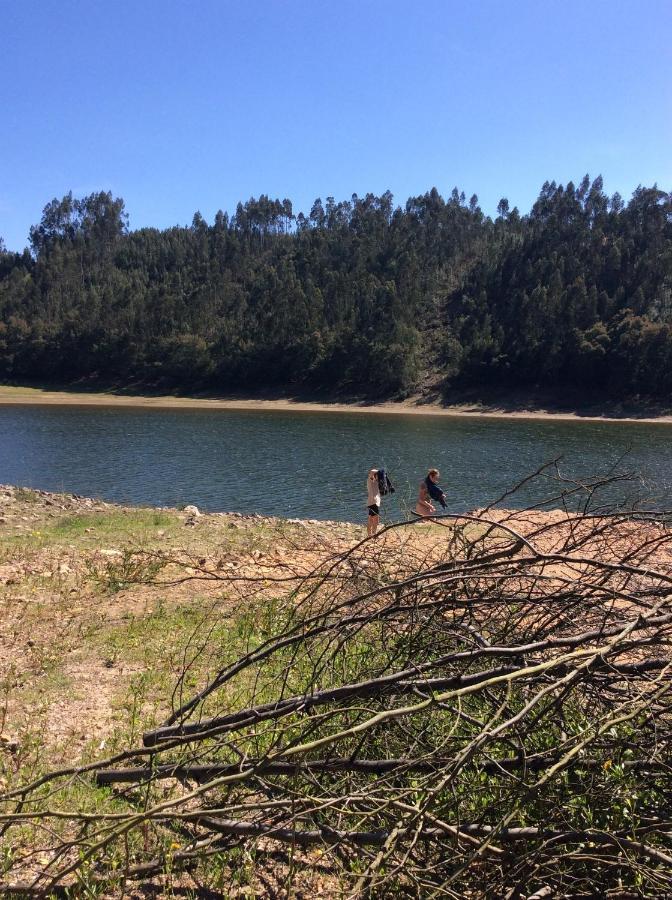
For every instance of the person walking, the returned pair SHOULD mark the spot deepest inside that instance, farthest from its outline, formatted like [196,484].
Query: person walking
[373,502]
[429,490]
[377,484]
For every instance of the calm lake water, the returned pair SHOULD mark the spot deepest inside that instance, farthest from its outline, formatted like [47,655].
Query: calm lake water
[310,465]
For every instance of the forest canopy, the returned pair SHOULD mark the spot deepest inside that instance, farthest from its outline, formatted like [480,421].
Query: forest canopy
[360,296]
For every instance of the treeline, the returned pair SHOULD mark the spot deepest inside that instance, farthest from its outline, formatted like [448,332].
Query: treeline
[361,296]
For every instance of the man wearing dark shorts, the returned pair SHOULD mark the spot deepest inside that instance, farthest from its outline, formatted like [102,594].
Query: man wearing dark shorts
[373,502]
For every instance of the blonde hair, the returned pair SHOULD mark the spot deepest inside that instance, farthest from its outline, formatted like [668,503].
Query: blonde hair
[434,472]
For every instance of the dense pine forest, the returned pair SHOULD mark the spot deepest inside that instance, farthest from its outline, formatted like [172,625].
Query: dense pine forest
[361,297]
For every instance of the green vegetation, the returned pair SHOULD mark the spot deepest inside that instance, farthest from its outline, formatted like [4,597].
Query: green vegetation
[359,296]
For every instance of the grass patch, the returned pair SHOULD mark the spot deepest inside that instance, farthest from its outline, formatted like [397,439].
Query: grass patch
[26,495]
[91,530]
[119,525]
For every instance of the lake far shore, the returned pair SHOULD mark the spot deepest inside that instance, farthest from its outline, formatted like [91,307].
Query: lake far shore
[17,396]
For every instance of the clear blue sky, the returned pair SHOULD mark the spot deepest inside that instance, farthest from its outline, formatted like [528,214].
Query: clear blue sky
[185,106]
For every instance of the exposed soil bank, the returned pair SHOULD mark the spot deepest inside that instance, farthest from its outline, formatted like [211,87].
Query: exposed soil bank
[515,409]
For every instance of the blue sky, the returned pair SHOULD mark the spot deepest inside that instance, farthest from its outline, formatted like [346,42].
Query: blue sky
[185,106]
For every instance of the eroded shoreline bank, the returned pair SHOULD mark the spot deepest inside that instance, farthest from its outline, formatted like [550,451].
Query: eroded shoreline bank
[23,396]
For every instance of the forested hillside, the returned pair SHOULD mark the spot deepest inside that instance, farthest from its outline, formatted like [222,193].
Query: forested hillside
[363,297]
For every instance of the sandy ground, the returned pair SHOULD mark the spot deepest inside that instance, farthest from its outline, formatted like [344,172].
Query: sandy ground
[11,396]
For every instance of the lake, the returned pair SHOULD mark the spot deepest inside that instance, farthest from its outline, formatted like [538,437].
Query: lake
[311,465]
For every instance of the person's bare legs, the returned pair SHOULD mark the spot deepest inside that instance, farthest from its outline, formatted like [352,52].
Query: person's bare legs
[372,525]
[424,509]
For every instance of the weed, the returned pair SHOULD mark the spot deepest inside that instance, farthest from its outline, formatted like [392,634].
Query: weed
[120,572]
[26,495]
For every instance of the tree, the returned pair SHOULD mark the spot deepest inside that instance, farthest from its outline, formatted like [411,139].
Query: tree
[503,208]
[357,295]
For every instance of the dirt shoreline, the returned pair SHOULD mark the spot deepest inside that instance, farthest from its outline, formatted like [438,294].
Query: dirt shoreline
[23,396]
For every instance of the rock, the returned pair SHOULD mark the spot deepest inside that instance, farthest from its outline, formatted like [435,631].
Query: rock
[9,744]
[64,568]
[110,552]
[8,575]
[191,510]
[160,533]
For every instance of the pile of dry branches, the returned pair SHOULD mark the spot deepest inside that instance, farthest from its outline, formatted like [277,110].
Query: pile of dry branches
[486,713]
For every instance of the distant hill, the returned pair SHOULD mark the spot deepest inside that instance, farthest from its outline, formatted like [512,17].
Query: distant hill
[361,297]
